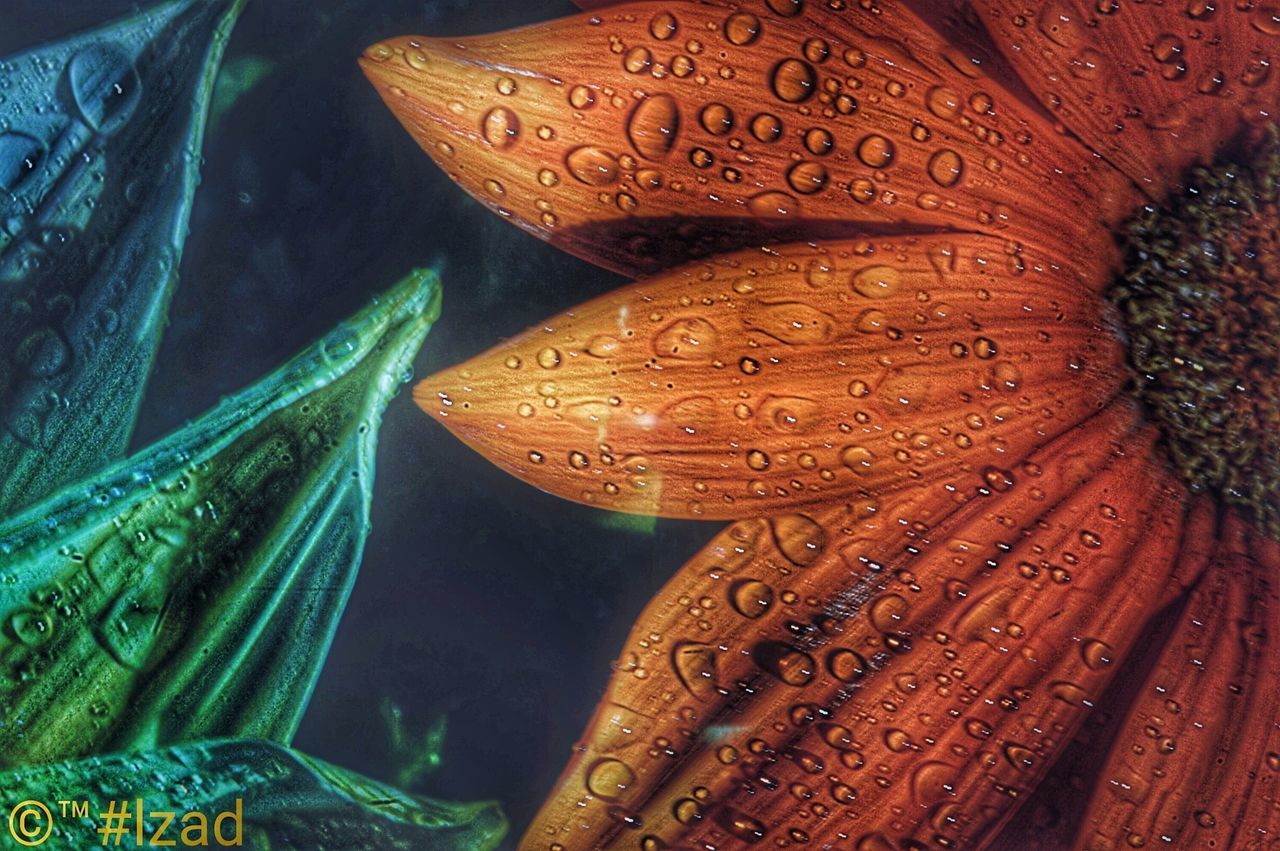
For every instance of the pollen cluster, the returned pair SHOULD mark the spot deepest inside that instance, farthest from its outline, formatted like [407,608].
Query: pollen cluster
[1200,304]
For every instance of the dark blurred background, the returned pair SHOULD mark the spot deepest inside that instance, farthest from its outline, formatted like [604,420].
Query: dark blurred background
[479,597]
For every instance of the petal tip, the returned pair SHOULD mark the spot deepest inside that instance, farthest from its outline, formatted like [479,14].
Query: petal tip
[434,401]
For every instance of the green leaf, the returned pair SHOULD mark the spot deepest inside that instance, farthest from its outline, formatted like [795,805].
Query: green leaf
[191,591]
[100,139]
[287,800]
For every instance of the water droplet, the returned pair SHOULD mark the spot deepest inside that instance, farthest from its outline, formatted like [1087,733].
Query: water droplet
[663,26]
[19,156]
[816,50]
[637,60]
[1096,654]
[791,666]
[750,597]
[687,339]
[32,627]
[610,779]
[654,125]
[1266,20]
[977,728]
[1198,9]
[773,205]
[1060,24]
[946,167]
[837,736]
[716,119]
[944,102]
[549,358]
[876,281]
[592,166]
[857,458]
[799,538]
[695,665]
[766,127]
[104,86]
[603,346]
[1019,756]
[876,151]
[741,825]
[843,793]
[846,665]
[788,414]
[807,178]
[1068,693]
[581,97]
[819,141]
[742,28]
[794,80]
[1211,82]
[687,811]
[786,8]
[1086,64]
[898,741]
[44,352]
[500,127]
[887,612]
[999,480]
[757,460]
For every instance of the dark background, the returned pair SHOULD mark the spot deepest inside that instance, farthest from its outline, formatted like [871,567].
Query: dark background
[479,597]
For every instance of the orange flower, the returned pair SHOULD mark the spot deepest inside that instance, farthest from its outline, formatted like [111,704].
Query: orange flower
[981,355]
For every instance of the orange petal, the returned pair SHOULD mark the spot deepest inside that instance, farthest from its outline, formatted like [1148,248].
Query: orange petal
[767,381]
[651,132]
[878,675]
[1191,763]
[1152,87]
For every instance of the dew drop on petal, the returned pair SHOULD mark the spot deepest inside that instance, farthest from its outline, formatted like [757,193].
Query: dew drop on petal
[500,127]
[794,80]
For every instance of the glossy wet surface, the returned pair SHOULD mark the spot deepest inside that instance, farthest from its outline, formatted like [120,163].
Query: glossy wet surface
[479,597]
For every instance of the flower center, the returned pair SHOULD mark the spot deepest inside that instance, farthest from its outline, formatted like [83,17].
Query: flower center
[1200,299]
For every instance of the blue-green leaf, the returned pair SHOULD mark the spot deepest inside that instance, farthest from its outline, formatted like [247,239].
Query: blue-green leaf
[191,591]
[100,140]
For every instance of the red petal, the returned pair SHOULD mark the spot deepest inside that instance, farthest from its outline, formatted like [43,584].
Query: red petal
[854,676]
[1192,761]
[651,132]
[769,381]
[1152,87]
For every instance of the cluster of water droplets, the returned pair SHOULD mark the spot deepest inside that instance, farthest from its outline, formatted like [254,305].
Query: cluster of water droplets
[912,629]
[116,596]
[99,151]
[1101,44]
[762,112]
[820,371]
